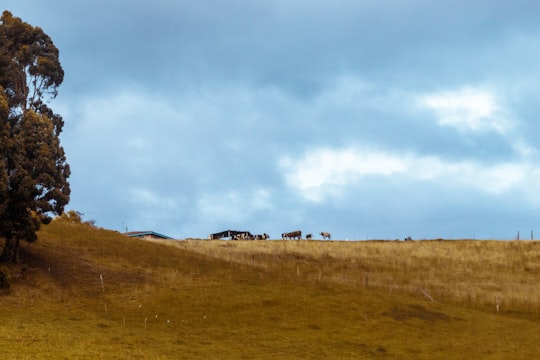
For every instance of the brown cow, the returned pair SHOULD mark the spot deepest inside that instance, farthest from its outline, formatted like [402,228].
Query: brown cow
[293,235]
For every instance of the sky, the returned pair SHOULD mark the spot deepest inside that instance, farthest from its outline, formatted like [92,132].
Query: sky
[369,119]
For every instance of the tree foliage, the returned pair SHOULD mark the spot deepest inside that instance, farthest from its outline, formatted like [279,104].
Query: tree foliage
[33,167]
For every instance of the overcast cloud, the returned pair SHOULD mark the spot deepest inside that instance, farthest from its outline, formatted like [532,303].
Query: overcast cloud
[368,119]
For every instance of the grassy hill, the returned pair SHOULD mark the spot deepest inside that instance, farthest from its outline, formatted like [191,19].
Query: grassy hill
[88,293]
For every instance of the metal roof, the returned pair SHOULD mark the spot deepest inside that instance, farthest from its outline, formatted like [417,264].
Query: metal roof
[144,233]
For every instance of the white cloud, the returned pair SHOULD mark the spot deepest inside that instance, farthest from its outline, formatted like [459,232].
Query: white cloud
[324,173]
[467,109]
[324,170]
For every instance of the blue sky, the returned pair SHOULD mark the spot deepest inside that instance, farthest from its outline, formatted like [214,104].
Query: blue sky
[367,119]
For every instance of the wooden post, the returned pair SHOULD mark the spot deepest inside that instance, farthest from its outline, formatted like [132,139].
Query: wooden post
[426,294]
[102,284]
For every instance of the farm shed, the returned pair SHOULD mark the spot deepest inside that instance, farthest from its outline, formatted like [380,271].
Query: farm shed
[146,235]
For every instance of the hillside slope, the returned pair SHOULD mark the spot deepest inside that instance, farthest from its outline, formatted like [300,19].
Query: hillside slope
[88,293]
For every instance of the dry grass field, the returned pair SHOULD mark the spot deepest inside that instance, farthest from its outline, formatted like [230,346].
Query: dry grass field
[466,272]
[87,293]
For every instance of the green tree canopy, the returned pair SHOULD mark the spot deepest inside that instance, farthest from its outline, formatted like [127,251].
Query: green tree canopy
[33,167]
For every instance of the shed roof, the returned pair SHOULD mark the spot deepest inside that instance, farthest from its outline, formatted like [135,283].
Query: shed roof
[146,233]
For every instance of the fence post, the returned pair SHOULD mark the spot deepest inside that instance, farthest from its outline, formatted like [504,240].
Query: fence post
[102,283]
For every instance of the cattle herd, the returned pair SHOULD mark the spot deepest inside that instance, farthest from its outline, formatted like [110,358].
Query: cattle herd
[246,235]
[298,235]
[293,235]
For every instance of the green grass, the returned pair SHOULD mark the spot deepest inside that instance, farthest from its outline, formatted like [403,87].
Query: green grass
[257,300]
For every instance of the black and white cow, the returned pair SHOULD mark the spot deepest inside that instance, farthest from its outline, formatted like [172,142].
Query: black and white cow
[262,237]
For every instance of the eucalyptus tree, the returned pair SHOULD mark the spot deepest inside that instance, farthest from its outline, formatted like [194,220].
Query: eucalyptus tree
[34,171]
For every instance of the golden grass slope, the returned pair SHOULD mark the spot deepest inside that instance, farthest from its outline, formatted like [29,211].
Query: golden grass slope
[467,272]
[87,293]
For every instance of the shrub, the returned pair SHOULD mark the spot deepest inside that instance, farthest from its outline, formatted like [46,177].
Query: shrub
[4,277]
[75,217]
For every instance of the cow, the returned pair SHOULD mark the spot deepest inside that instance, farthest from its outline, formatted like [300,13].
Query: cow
[326,235]
[240,236]
[293,235]
[309,237]
[243,236]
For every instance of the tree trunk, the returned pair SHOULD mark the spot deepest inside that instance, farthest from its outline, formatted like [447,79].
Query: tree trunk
[10,253]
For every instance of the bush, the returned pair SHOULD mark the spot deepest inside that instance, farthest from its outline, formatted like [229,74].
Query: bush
[75,217]
[72,217]
[4,277]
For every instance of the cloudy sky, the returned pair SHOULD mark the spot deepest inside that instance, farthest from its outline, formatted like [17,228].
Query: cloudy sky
[371,119]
